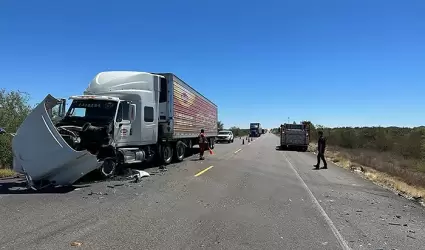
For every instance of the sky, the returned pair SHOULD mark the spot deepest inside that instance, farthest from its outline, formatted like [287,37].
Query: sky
[335,63]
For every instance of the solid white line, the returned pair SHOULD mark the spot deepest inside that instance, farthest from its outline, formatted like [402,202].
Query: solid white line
[335,231]
[237,151]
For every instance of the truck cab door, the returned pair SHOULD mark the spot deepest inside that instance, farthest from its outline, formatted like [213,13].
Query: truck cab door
[55,108]
[149,123]
[122,127]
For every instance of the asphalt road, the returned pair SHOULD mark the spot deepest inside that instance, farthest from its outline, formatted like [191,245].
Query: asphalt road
[251,197]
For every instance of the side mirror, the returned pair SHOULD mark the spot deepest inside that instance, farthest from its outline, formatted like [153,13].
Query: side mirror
[132,112]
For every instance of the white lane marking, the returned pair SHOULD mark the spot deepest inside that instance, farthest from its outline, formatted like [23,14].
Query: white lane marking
[335,231]
[237,151]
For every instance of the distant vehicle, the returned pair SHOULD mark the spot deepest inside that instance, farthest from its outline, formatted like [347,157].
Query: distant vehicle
[124,117]
[255,129]
[225,135]
[294,136]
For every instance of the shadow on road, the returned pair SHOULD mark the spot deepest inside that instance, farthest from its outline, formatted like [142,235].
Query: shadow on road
[278,148]
[19,187]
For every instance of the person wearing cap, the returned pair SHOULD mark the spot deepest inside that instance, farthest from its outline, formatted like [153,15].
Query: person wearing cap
[321,146]
[203,144]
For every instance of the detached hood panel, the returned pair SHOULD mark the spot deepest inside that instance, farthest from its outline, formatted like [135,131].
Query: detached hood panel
[41,152]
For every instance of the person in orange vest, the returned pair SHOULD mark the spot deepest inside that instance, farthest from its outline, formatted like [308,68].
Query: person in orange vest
[203,144]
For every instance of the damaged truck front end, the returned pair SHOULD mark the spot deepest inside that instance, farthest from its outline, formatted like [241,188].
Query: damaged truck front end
[52,147]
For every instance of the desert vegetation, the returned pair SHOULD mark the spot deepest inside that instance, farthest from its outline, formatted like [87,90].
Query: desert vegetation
[398,152]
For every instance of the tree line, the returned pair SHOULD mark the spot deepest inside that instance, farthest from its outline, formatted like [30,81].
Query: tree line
[405,142]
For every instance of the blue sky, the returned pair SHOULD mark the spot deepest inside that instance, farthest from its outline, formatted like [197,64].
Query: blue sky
[332,62]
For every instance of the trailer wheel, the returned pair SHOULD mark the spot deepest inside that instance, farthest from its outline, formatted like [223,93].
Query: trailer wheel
[189,149]
[166,154]
[212,143]
[179,153]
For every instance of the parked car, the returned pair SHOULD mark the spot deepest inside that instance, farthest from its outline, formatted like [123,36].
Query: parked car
[225,135]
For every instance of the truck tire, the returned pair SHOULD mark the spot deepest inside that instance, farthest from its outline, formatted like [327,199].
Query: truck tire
[179,151]
[212,142]
[305,149]
[166,154]
[189,149]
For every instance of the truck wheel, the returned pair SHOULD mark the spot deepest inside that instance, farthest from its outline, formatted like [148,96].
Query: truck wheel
[179,153]
[305,149]
[189,149]
[212,143]
[166,154]
[108,168]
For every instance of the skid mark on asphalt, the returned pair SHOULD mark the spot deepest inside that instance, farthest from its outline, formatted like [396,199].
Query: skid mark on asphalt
[203,171]
[330,223]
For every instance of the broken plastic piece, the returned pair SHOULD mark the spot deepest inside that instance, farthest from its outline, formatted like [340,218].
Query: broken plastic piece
[138,174]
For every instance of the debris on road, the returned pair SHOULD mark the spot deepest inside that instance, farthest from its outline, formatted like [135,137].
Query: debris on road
[115,185]
[76,244]
[97,193]
[138,174]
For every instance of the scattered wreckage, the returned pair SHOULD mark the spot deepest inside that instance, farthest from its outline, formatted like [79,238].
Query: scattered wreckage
[124,117]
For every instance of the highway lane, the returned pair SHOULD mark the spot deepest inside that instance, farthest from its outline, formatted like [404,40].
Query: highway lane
[242,197]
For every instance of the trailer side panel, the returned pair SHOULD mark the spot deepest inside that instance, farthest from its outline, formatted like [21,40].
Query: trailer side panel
[192,112]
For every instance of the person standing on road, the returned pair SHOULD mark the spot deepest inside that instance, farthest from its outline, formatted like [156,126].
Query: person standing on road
[321,146]
[203,144]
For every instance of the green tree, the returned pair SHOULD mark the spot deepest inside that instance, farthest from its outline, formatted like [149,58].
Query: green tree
[219,125]
[14,108]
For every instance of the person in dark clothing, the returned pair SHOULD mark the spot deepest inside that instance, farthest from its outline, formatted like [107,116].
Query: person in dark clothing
[203,144]
[321,146]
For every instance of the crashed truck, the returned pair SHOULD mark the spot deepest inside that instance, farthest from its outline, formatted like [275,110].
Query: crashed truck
[295,136]
[123,117]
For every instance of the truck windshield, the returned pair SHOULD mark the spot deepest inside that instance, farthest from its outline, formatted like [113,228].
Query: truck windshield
[224,133]
[92,109]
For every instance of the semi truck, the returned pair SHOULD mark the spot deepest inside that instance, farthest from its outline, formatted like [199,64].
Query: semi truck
[255,129]
[294,136]
[123,117]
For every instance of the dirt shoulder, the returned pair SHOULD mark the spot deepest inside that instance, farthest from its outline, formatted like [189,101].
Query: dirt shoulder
[383,169]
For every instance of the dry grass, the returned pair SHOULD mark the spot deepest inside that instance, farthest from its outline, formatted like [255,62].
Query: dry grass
[401,175]
[5,172]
